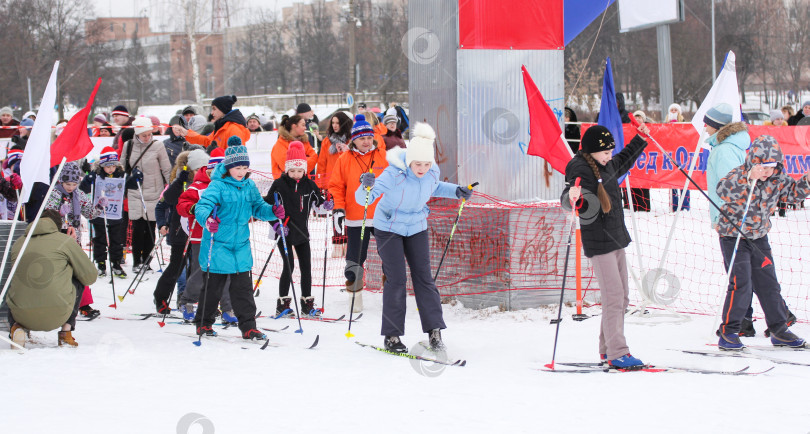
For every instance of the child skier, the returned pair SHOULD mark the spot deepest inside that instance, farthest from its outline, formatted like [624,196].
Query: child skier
[108,180]
[604,235]
[753,268]
[297,194]
[230,201]
[364,155]
[400,228]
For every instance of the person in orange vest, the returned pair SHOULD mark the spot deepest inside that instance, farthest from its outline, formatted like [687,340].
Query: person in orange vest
[365,154]
[228,122]
[294,128]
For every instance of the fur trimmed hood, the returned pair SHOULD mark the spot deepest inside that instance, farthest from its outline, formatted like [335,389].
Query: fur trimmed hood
[283,133]
[730,129]
[396,158]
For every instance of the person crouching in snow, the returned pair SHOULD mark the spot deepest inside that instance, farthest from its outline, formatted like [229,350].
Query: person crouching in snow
[43,301]
[297,194]
[604,234]
[753,268]
[72,204]
[229,202]
[400,228]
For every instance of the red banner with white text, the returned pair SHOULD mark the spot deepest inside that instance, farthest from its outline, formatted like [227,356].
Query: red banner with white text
[654,170]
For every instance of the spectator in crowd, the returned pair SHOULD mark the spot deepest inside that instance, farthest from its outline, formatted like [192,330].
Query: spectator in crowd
[641,117]
[675,114]
[122,119]
[228,121]
[294,129]
[44,305]
[105,130]
[157,127]
[187,114]
[803,113]
[99,120]
[254,124]
[777,119]
[30,115]
[8,125]
[392,137]
[787,111]
[24,132]
[572,131]
[144,158]
[338,137]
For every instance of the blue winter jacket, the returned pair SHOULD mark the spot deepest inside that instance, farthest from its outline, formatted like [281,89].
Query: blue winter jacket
[403,208]
[236,202]
[728,151]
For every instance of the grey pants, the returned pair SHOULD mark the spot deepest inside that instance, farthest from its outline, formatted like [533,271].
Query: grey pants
[611,273]
[394,250]
[195,281]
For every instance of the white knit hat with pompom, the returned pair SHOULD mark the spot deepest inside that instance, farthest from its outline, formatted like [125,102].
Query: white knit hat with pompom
[421,146]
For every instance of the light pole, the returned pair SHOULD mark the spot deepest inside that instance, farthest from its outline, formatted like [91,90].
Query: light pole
[352,20]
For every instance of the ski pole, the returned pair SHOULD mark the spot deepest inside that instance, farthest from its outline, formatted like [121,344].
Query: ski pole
[256,289]
[109,256]
[289,267]
[766,262]
[452,231]
[138,276]
[349,333]
[183,261]
[198,342]
[151,233]
[90,229]
[325,248]
[565,273]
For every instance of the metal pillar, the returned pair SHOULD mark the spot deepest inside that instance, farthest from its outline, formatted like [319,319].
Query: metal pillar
[664,68]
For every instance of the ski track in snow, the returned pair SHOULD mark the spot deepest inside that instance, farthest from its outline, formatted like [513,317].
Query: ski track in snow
[136,377]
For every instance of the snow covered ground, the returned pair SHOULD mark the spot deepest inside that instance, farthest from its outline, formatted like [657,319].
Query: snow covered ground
[131,376]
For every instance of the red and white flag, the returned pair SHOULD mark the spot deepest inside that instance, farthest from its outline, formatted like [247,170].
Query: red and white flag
[74,141]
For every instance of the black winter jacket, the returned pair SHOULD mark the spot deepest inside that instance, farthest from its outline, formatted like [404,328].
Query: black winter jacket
[298,198]
[602,233]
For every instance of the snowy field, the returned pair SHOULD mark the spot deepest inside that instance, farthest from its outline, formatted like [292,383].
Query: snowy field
[131,376]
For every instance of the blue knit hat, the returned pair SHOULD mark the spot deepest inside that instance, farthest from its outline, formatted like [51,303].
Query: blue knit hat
[361,128]
[236,154]
[719,116]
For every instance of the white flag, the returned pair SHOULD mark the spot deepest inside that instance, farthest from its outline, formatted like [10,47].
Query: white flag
[724,90]
[36,158]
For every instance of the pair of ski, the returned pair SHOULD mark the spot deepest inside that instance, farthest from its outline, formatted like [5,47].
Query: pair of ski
[287,314]
[262,343]
[590,367]
[457,362]
[747,354]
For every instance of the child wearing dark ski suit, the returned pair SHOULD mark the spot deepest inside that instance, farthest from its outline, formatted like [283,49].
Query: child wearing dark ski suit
[604,234]
[298,194]
[762,179]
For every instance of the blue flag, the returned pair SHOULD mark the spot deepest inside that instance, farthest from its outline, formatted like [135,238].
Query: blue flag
[609,116]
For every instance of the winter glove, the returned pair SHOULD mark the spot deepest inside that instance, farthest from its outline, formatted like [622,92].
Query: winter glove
[278,210]
[16,181]
[183,176]
[367,179]
[102,203]
[464,192]
[212,224]
[86,167]
[329,205]
[280,229]
[90,178]
[339,215]
[65,209]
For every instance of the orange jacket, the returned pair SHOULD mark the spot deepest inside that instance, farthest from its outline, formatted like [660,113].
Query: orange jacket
[278,156]
[326,164]
[221,135]
[380,129]
[345,180]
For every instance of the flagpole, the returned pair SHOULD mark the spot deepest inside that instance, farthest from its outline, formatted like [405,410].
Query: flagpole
[31,231]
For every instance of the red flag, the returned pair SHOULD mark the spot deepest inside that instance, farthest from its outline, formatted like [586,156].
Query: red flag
[74,142]
[544,128]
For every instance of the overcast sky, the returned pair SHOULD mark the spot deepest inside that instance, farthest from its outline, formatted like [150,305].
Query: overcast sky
[156,8]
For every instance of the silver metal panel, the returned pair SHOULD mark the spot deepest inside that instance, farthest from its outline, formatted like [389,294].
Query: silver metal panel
[430,46]
[493,121]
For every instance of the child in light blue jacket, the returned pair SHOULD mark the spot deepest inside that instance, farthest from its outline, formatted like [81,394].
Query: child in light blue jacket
[400,228]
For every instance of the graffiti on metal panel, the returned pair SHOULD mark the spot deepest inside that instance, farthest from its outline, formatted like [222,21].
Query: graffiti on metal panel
[540,249]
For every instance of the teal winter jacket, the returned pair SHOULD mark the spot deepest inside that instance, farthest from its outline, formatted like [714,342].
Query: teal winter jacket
[728,151]
[236,202]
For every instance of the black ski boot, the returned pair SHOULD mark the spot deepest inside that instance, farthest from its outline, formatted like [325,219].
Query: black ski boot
[102,269]
[394,345]
[88,312]
[282,304]
[308,307]
[117,271]
[162,307]
[436,343]
[791,319]
[747,328]
[206,330]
